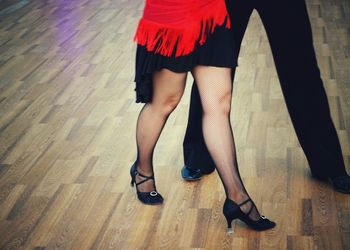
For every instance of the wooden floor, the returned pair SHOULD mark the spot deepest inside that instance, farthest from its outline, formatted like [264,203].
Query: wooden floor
[67,138]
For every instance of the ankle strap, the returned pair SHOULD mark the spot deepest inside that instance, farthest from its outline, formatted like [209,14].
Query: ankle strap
[251,207]
[244,202]
[147,178]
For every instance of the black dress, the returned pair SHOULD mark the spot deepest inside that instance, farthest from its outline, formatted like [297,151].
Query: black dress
[218,50]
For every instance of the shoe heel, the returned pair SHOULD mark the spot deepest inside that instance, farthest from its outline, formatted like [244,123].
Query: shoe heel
[132,179]
[132,176]
[229,226]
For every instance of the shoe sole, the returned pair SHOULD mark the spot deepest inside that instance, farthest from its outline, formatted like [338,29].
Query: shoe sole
[151,203]
[191,179]
[326,180]
[341,191]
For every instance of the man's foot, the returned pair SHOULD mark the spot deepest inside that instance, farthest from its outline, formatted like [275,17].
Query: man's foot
[339,183]
[190,174]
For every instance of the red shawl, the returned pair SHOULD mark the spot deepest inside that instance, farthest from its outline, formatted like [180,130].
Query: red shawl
[179,24]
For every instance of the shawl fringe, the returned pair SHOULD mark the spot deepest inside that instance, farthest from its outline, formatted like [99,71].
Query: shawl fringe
[163,39]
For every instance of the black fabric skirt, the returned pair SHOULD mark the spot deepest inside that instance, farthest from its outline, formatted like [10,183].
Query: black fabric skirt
[218,50]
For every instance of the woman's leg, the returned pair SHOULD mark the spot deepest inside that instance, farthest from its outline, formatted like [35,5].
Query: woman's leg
[215,89]
[168,88]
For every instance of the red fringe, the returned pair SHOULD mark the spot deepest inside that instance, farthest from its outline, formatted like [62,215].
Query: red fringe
[165,37]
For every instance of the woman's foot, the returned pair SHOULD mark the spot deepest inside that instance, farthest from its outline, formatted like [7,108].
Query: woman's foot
[233,210]
[145,186]
[246,205]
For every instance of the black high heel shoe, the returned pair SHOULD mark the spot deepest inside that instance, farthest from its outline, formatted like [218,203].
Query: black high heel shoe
[233,211]
[150,198]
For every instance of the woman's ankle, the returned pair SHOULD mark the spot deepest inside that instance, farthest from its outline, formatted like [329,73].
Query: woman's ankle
[144,171]
[238,197]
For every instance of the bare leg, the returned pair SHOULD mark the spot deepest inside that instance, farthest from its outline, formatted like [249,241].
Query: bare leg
[215,89]
[168,88]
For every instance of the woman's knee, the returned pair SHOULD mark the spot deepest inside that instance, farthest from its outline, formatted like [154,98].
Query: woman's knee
[215,88]
[171,103]
[214,104]
[168,90]
[167,105]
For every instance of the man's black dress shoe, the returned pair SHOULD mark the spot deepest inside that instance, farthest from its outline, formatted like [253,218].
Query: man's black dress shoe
[339,183]
[190,174]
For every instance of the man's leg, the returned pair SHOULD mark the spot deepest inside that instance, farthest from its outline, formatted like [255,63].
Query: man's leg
[196,155]
[289,32]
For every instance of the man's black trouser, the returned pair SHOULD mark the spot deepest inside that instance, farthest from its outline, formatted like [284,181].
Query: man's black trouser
[289,32]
